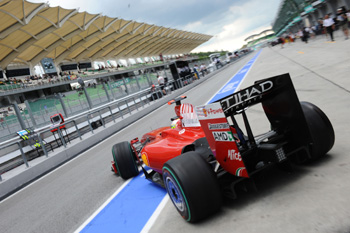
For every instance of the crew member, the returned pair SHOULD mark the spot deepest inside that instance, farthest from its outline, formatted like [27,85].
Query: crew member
[161,83]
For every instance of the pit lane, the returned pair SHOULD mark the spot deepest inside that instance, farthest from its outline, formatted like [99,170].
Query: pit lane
[314,198]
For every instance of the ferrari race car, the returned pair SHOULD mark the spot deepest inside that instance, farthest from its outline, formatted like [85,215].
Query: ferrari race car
[205,153]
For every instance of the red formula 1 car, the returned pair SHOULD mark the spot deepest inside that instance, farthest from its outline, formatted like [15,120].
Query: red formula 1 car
[206,153]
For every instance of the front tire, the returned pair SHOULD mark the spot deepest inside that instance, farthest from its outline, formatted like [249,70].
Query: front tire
[321,130]
[124,160]
[192,186]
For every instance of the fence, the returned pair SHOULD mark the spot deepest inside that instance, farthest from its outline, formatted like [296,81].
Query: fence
[19,87]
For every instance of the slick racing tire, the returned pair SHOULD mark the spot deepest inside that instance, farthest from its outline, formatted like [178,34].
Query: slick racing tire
[192,186]
[124,160]
[321,130]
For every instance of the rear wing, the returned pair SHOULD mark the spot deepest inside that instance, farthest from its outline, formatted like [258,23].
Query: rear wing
[281,106]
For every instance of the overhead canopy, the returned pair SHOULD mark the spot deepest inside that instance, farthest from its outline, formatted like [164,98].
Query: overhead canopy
[288,10]
[259,34]
[30,32]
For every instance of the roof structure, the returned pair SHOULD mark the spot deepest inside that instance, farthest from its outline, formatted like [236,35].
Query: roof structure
[30,32]
[289,12]
[261,34]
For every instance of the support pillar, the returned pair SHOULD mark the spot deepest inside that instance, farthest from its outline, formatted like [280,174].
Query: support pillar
[128,62]
[137,82]
[346,3]
[307,22]
[331,8]
[4,75]
[126,87]
[31,69]
[41,93]
[106,90]
[63,104]
[149,82]
[58,70]
[19,116]
[87,98]
[166,75]
[110,88]
[30,113]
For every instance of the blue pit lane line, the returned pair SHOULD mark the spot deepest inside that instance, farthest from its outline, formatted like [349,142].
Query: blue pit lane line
[131,208]
[232,85]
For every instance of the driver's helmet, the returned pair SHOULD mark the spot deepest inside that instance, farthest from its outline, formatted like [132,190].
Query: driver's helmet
[175,124]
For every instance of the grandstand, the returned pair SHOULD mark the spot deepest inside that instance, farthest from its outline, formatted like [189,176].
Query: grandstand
[60,41]
[43,51]
[30,32]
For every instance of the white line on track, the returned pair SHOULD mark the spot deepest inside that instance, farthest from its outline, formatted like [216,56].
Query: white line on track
[155,214]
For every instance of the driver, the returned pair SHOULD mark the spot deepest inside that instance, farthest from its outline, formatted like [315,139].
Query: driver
[176,124]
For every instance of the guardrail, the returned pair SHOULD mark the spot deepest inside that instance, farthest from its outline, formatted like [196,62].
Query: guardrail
[45,83]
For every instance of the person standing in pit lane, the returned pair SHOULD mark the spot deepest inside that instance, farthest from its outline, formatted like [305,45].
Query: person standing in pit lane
[343,22]
[291,37]
[281,41]
[203,69]
[305,36]
[161,83]
[328,24]
[195,70]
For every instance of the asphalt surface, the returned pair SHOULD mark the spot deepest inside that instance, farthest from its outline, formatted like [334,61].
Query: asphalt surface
[313,198]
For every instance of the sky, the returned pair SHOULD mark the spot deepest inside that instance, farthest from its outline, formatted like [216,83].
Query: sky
[228,21]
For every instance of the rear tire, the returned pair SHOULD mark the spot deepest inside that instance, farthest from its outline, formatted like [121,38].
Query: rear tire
[192,186]
[321,130]
[124,160]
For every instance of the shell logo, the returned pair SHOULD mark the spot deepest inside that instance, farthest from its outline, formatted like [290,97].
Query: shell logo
[205,112]
[144,158]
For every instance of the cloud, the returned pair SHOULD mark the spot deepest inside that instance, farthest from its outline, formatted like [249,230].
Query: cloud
[193,26]
[229,21]
[159,12]
[227,41]
[246,19]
